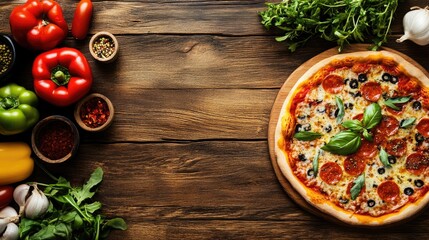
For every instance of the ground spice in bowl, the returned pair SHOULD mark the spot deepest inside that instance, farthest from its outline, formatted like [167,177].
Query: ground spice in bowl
[55,139]
[94,112]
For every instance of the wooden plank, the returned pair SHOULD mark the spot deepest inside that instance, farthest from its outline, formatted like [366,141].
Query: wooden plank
[289,229]
[177,17]
[182,62]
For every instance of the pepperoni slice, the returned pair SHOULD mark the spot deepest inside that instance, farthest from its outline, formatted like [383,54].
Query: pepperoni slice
[371,91]
[423,127]
[358,117]
[366,150]
[331,173]
[333,83]
[388,191]
[388,126]
[396,147]
[416,163]
[354,166]
[407,86]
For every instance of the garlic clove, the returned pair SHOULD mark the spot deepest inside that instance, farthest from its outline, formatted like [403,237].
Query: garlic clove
[11,232]
[8,212]
[36,205]
[20,194]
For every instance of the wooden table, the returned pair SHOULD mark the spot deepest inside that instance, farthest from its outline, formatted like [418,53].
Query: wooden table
[187,155]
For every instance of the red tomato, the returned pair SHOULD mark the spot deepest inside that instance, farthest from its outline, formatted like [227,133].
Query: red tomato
[81,19]
[6,195]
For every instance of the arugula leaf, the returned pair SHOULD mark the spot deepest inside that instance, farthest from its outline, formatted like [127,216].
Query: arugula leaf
[407,122]
[81,194]
[343,143]
[391,102]
[340,106]
[384,158]
[371,116]
[307,136]
[316,163]
[354,125]
[357,186]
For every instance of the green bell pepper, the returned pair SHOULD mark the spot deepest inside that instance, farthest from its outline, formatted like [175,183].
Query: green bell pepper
[17,109]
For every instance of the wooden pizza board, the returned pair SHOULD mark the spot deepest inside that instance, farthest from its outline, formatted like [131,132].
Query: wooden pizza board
[278,103]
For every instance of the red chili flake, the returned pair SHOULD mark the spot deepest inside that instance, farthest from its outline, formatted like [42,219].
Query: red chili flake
[94,112]
[55,140]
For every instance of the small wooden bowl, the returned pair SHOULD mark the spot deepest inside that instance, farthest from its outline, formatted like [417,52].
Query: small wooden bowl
[99,57]
[44,130]
[80,105]
[6,40]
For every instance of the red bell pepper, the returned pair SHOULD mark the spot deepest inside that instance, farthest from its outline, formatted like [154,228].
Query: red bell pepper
[62,76]
[38,24]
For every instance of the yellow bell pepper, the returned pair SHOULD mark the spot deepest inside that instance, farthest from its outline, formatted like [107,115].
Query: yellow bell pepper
[16,163]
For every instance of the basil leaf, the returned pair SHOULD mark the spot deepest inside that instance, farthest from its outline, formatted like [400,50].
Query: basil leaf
[343,143]
[384,158]
[354,125]
[398,100]
[316,163]
[307,136]
[367,135]
[340,106]
[407,122]
[357,186]
[371,116]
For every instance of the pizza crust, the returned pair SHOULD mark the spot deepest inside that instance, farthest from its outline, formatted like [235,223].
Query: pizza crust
[312,197]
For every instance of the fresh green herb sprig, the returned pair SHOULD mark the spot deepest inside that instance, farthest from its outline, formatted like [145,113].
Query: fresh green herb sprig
[348,141]
[72,214]
[340,21]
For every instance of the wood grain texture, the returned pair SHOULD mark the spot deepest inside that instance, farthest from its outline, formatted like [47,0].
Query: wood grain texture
[187,155]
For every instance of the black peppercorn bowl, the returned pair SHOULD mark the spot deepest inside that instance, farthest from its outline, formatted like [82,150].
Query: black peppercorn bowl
[55,139]
[7,55]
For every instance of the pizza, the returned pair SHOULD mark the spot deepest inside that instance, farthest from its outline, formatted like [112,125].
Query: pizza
[352,137]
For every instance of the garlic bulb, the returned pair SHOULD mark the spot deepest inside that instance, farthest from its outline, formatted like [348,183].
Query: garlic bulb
[416,26]
[8,228]
[32,202]
[11,232]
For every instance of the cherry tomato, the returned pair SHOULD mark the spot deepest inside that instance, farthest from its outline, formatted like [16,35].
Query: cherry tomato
[81,19]
[6,195]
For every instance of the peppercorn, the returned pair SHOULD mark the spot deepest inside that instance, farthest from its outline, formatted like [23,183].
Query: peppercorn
[104,47]
[5,58]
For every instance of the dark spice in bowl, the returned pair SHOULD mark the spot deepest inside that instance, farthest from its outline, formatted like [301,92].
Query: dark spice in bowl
[55,140]
[94,112]
[6,58]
